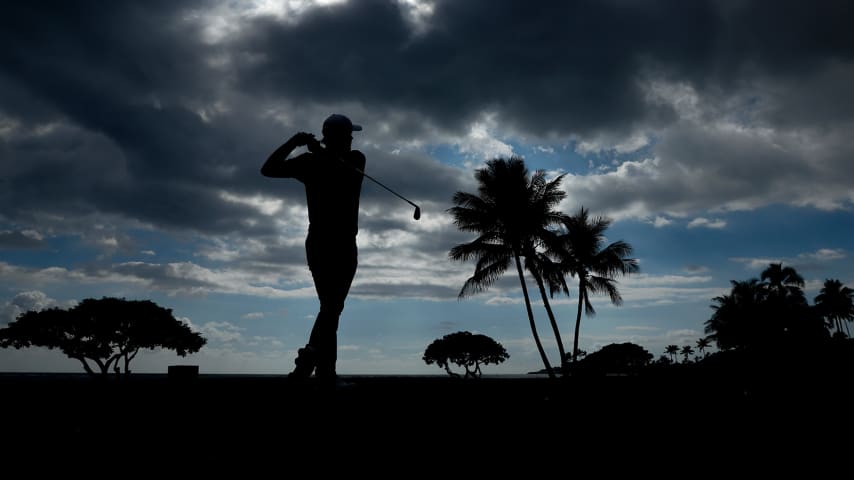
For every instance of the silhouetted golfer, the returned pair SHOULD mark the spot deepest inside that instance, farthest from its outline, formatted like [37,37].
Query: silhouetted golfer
[332,189]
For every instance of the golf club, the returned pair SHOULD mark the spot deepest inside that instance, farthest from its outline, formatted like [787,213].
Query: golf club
[416,216]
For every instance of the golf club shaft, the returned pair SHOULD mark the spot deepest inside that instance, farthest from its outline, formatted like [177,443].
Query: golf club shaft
[380,184]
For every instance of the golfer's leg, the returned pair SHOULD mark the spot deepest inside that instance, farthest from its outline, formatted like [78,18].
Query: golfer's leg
[333,285]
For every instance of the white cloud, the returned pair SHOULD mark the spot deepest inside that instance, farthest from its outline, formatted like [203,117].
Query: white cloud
[644,290]
[825,254]
[220,21]
[755,263]
[264,205]
[660,221]
[503,301]
[184,278]
[707,223]
[32,234]
[481,142]
[28,301]
[221,331]
[801,260]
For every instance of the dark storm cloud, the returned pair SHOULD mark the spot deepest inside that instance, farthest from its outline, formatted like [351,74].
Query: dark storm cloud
[562,67]
[111,107]
[109,80]
[20,239]
[101,110]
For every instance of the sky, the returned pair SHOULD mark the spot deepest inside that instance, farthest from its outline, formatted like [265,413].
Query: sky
[715,134]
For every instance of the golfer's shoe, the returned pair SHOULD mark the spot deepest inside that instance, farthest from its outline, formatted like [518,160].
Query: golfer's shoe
[305,363]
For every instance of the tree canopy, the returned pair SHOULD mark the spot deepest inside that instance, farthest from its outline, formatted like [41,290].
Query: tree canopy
[616,358]
[103,331]
[767,314]
[466,350]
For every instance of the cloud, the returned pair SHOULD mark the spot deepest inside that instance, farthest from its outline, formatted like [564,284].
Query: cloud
[21,239]
[638,328]
[801,262]
[707,223]
[185,104]
[158,120]
[221,332]
[685,336]
[696,269]
[659,222]
[33,300]
[180,278]
[645,290]
[825,254]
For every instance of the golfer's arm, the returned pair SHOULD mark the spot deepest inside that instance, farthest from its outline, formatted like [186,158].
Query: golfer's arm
[277,165]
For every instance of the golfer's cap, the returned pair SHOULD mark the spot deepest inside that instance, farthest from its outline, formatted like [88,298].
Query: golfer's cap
[339,122]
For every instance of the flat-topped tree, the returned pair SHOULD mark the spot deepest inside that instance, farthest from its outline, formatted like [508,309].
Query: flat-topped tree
[103,332]
[466,350]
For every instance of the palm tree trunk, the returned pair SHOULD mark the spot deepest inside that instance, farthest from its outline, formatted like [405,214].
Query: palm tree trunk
[531,316]
[582,293]
[551,319]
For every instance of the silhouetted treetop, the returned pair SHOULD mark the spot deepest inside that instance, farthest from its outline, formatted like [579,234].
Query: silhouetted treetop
[767,314]
[466,350]
[616,358]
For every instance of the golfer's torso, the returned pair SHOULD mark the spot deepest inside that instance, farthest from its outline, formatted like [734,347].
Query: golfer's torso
[332,193]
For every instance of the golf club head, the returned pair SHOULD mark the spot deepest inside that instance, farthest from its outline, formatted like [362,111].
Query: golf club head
[417,213]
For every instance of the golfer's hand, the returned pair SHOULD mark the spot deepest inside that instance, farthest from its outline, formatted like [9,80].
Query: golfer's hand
[302,138]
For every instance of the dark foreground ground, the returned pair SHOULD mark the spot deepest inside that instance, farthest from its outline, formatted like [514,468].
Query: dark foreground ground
[499,419]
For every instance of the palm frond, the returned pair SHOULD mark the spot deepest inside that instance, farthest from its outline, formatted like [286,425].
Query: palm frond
[484,276]
[483,246]
[605,285]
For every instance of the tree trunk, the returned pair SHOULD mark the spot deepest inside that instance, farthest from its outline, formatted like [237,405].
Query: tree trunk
[105,367]
[582,293]
[85,365]
[128,359]
[531,316]
[551,315]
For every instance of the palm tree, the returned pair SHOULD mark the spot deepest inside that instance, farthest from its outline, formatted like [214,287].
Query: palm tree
[836,304]
[672,350]
[702,345]
[782,282]
[511,215]
[738,317]
[790,319]
[686,352]
[580,252]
